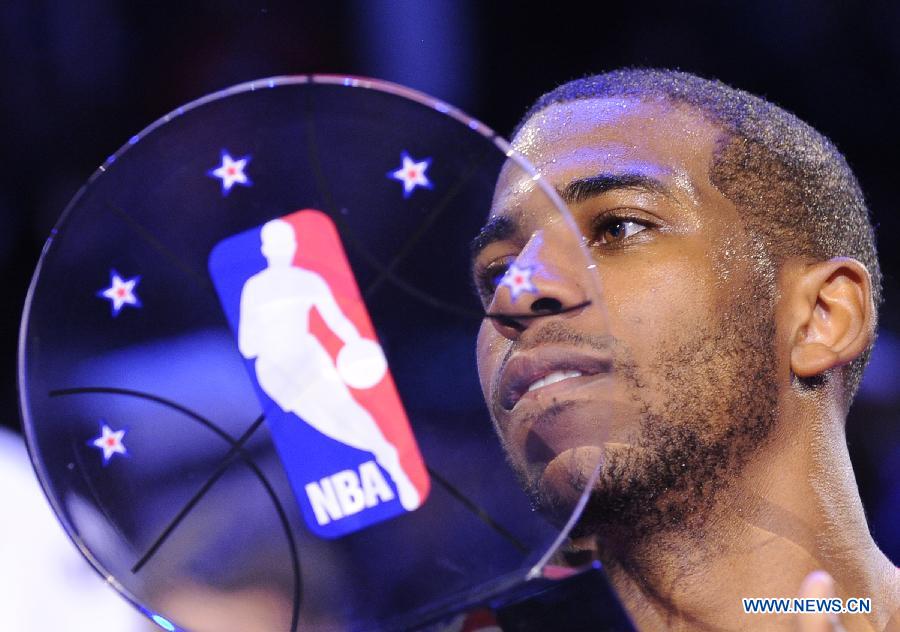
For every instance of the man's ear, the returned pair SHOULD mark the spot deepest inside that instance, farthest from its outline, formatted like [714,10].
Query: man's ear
[833,315]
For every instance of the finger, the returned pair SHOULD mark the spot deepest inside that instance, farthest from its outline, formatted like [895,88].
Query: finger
[818,585]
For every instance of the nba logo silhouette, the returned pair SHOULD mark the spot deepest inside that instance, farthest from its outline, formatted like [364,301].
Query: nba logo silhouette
[335,416]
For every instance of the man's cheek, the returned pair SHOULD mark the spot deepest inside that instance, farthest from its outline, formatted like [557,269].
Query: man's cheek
[660,308]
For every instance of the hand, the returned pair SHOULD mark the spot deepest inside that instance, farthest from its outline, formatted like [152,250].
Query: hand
[818,585]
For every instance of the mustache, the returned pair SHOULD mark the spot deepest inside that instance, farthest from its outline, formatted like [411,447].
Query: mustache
[556,332]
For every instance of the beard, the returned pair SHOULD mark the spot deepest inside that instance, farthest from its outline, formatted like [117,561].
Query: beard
[715,406]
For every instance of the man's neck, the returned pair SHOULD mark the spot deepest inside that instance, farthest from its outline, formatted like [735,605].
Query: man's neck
[794,509]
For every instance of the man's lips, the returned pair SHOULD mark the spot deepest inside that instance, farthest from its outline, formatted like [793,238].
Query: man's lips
[543,366]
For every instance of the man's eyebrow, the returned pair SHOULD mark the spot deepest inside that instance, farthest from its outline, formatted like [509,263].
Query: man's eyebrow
[585,188]
[503,226]
[497,229]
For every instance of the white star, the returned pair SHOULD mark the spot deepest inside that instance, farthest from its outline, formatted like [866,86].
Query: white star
[120,292]
[518,280]
[231,172]
[411,174]
[110,441]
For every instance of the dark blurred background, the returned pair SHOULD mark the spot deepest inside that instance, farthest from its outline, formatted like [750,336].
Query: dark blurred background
[80,78]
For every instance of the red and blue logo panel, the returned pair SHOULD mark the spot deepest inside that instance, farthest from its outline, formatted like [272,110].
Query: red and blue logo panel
[332,406]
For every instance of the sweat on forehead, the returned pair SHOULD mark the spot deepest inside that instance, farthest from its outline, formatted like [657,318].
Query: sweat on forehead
[613,130]
[578,145]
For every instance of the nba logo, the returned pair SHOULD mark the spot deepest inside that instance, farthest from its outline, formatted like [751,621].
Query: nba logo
[335,415]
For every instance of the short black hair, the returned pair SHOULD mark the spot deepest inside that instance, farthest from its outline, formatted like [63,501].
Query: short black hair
[794,187]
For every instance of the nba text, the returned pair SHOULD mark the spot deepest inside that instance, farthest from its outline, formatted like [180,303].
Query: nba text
[347,493]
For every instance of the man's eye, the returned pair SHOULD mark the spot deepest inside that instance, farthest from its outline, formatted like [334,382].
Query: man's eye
[488,279]
[616,229]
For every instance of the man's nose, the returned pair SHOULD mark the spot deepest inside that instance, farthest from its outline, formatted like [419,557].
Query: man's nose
[550,277]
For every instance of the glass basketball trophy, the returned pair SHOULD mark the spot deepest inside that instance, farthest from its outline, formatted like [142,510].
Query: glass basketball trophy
[248,363]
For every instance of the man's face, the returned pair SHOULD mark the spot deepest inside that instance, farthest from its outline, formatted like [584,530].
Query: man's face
[670,372]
